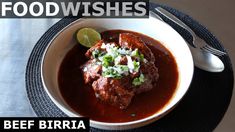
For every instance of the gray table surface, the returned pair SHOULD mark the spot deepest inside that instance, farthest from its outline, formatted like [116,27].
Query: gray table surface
[18,37]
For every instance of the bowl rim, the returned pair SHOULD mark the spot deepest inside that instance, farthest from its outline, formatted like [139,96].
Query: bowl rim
[157,115]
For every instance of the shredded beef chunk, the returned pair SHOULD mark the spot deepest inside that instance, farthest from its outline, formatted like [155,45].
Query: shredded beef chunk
[117,72]
[128,40]
[91,71]
[94,48]
[113,91]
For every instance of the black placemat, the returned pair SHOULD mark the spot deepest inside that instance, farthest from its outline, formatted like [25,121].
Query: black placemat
[201,109]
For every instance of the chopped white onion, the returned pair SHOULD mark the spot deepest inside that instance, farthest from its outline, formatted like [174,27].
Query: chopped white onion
[103,46]
[130,64]
[117,60]
[85,69]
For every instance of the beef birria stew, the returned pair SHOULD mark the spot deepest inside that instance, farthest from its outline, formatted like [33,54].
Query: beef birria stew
[125,76]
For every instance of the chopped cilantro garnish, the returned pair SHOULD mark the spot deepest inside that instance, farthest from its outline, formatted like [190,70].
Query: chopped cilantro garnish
[115,71]
[123,67]
[111,72]
[107,60]
[110,60]
[136,66]
[133,114]
[137,54]
[138,80]
[141,57]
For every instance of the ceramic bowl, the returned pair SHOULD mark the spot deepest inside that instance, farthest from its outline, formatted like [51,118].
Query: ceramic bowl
[152,27]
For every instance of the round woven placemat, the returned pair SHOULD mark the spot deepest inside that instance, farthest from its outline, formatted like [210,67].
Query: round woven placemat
[201,109]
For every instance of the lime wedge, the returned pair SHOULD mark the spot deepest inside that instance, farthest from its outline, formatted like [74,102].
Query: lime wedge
[88,37]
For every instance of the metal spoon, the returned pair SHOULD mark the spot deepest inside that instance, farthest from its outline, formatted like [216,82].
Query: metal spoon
[206,61]
[203,60]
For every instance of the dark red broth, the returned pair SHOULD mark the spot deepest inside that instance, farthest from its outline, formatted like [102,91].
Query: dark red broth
[81,97]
